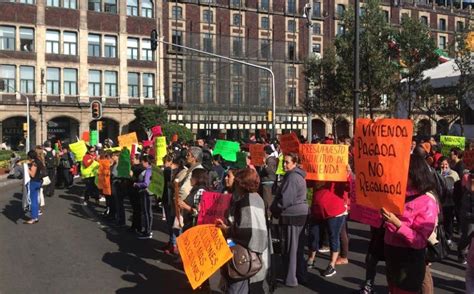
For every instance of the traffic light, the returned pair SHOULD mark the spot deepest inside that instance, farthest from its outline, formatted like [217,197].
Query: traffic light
[96,109]
[154,40]
[269,116]
[99,125]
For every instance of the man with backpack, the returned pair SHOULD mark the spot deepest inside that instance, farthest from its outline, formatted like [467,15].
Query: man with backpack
[51,163]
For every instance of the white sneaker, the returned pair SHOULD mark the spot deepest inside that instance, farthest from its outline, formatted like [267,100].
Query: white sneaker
[84,203]
[102,199]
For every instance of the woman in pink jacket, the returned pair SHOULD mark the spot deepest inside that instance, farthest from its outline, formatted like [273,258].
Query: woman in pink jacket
[406,236]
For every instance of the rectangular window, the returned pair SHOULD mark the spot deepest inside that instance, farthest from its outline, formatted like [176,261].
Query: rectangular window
[207,67]
[424,20]
[340,29]
[316,28]
[27,39]
[237,46]
[237,20]
[207,16]
[7,38]
[291,50]
[94,5]
[291,72]
[316,9]
[70,81]
[177,12]
[52,81]
[291,96]
[94,45]
[147,8]
[208,92]
[264,5]
[177,95]
[70,4]
[53,3]
[316,48]
[132,7]
[132,48]
[147,54]
[386,15]
[235,3]
[291,26]
[264,95]
[94,83]
[133,84]
[236,69]
[265,48]
[177,38]
[148,85]
[442,24]
[110,6]
[52,42]
[207,43]
[265,23]
[26,1]
[341,9]
[110,82]
[7,73]
[27,79]
[110,46]
[442,42]
[291,7]
[70,43]
[237,94]
[459,26]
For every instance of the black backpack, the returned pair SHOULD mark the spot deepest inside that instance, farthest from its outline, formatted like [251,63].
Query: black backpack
[50,160]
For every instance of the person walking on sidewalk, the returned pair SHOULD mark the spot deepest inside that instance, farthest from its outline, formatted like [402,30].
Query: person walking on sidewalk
[145,197]
[36,177]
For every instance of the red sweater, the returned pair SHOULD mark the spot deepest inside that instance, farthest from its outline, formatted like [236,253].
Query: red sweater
[329,201]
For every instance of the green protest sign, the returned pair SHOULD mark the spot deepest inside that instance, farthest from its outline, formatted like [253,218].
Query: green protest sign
[94,138]
[449,142]
[241,160]
[227,149]
[124,166]
[157,183]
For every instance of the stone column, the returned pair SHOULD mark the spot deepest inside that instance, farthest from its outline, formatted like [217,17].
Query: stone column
[83,78]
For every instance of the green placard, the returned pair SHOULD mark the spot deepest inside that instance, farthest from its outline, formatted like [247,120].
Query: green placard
[157,183]
[241,160]
[94,138]
[123,167]
[449,142]
[227,149]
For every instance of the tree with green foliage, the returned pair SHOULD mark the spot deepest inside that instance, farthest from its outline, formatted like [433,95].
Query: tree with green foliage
[377,73]
[417,53]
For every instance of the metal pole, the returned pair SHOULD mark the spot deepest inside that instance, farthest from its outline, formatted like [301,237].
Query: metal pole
[356,65]
[236,61]
[309,124]
[27,143]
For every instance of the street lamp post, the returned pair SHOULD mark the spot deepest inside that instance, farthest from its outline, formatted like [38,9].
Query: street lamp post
[356,65]
[308,14]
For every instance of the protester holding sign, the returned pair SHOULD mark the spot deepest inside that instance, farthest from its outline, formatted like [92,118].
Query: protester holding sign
[247,228]
[407,234]
[291,208]
[89,168]
[191,205]
[145,198]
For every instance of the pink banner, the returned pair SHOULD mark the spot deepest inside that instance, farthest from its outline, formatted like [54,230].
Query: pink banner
[363,214]
[213,206]
[156,130]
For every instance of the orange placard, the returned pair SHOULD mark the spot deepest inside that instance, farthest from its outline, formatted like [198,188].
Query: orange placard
[289,143]
[468,159]
[103,175]
[85,136]
[203,250]
[257,154]
[127,140]
[325,162]
[382,158]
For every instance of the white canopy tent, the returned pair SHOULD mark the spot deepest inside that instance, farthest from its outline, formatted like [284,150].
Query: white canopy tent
[444,75]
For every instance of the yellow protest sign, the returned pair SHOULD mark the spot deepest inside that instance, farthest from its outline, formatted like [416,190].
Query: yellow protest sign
[325,162]
[79,149]
[203,250]
[127,140]
[160,147]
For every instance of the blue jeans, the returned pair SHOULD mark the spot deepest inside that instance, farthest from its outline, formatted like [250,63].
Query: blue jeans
[34,198]
[334,226]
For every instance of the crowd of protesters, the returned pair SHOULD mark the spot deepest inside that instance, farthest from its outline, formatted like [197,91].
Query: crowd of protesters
[440,193]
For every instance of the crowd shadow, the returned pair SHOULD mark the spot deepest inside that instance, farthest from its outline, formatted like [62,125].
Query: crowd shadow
[450,285]
[14,209]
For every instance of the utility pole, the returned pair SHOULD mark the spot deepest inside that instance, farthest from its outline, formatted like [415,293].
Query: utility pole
[41,106]
[356,65]
[308,13]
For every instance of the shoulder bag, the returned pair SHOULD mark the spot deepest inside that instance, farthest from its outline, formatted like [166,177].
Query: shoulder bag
[244,263]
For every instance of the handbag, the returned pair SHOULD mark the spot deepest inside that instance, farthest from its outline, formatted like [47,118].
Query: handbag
[439,250]
[46,181]
[244,263]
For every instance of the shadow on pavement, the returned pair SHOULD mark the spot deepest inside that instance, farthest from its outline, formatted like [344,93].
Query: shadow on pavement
[14,210]
[453,286]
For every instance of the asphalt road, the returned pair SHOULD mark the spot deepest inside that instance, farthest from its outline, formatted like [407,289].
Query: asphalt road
[73,250]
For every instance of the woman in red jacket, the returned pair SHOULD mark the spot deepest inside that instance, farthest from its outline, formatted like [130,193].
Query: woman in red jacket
[328,208]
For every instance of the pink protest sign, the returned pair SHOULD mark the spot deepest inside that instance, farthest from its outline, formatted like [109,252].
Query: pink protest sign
[213,206]
[156,130]
[147,143]
[363,214]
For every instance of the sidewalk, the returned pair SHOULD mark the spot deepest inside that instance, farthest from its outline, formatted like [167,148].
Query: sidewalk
[7,182]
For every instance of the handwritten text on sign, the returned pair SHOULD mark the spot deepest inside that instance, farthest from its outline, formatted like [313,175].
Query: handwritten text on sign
[382,158]
[325,162]
[257,154]
[203,250]
[213,206]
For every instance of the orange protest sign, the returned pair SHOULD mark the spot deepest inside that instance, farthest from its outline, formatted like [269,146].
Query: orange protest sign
[203,250]
[289,143]
[382,158]
[85,136]
[257,154]
[103,175]
[127,140]
[325,162]
[468,159]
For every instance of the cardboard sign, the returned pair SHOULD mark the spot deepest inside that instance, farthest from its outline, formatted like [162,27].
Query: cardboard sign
[324,162]
[127,140]
[289,143]
[213,206]
[448,142]
[280,170]
[241,160]
[94,138]
[85,136]
[382,158]
[79,149]
[156,131]
[203,250]
[468,159]
[160,149]
[227,149]
[363,214]
[104,177]
[257,154]
[157,183]
[124,165]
